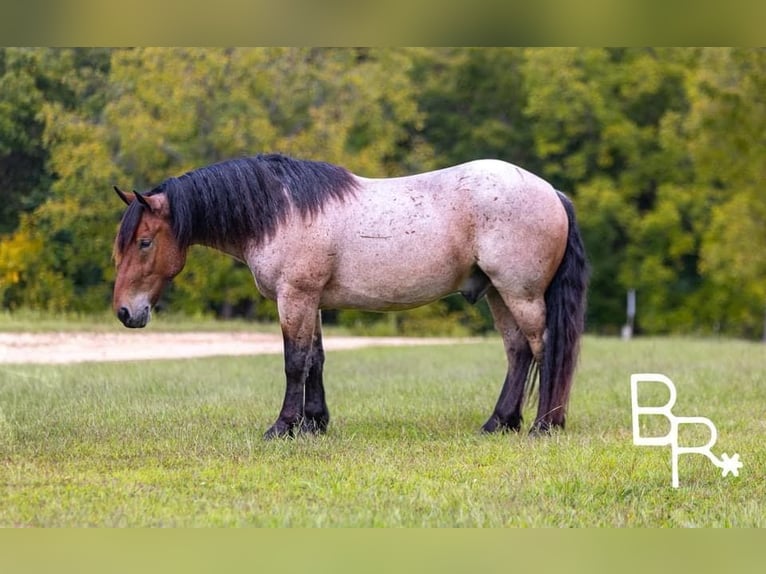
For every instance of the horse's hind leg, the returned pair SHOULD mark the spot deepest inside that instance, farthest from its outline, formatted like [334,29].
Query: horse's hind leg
[316,414]
[529,314]
[507,413]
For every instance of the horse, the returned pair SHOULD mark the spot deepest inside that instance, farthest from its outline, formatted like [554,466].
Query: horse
[317,236]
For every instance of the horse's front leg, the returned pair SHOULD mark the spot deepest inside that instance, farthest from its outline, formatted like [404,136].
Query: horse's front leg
[316,414]
[297,316]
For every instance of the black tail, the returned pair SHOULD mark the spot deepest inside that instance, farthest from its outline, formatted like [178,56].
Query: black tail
[565,302]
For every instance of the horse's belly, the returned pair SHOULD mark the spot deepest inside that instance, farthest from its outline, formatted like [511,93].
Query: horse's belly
[391,282]
[349,297]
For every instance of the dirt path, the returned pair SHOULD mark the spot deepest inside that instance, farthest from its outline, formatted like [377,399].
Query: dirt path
[57,348]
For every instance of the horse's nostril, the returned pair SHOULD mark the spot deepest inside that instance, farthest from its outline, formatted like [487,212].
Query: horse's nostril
[123,314]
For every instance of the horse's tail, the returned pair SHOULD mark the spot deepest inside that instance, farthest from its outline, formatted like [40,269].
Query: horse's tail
[565,302]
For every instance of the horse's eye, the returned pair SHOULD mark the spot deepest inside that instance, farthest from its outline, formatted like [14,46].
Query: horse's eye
[144,243]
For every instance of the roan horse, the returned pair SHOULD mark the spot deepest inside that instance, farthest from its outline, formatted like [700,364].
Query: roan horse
[316,236]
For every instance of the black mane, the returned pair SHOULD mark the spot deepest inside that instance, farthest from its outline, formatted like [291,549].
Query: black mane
[242,199]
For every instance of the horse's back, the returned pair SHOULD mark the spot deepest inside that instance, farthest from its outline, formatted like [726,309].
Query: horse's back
[476,174]
[485,196]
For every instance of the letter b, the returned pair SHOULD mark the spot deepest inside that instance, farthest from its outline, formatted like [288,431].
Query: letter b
[664,410]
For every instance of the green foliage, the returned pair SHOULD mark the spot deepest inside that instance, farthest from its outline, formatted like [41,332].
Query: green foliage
[473,101]
[732,168]
[22,155]
[661,150]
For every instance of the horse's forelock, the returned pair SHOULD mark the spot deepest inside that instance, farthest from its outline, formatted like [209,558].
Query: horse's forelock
[127,230]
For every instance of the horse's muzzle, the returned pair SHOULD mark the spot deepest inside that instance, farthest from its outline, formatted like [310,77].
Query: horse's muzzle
[136,321]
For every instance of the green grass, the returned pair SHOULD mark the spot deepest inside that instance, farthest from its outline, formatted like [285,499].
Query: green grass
[38,322]
[178,443]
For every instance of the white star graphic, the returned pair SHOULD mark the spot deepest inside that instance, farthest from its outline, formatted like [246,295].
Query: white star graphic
[730,465]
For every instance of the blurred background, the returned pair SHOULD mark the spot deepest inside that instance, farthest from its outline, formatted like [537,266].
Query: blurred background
[663,151]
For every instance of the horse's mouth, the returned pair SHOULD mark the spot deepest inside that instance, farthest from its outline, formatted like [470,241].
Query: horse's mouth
[134,321]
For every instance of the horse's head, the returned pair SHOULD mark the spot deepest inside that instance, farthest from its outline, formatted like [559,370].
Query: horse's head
[147,256]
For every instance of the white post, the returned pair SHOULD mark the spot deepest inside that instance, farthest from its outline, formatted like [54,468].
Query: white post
[627,329]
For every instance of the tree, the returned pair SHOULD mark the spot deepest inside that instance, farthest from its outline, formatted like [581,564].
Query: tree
[473,101]
[727,128]
[23,179]
[55,258]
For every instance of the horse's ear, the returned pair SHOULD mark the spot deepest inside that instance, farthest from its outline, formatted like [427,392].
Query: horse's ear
[142,200]
[157,204]
[124,196]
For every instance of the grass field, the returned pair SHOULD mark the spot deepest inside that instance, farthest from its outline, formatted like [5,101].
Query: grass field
[28,321]
[178,443]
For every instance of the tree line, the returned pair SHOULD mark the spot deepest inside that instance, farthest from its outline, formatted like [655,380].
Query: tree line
[661,150]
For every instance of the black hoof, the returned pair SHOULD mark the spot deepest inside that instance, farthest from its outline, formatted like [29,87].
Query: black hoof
[314,425]
[544,428]
[308,426]
[281,429]
[495,424]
